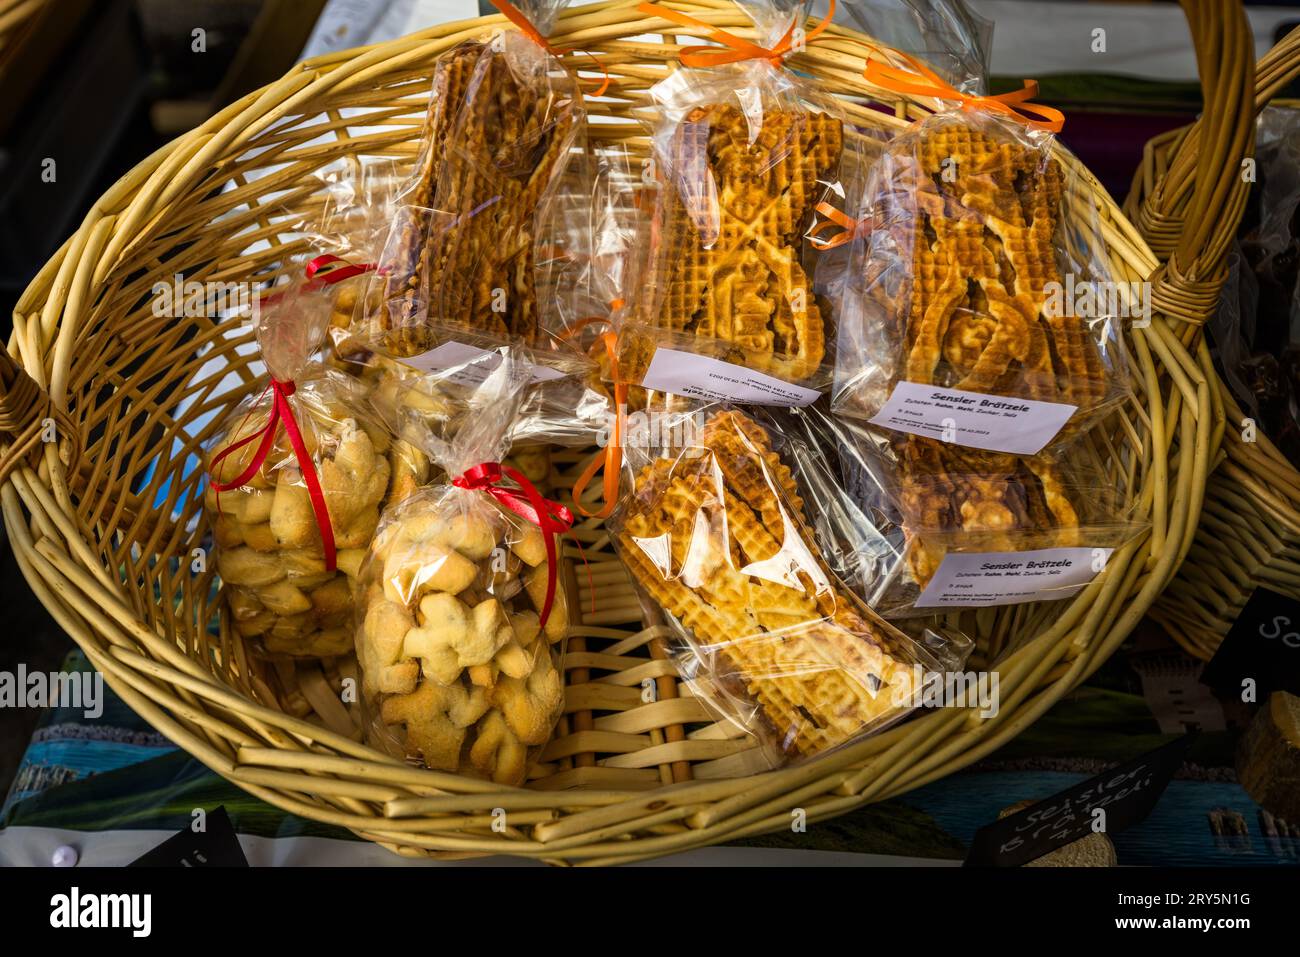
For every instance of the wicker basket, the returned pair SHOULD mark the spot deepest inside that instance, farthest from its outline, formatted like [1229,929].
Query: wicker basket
[15,17]
[1250,529]
[104,521]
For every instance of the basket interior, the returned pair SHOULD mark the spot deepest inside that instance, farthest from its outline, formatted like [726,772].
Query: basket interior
[149,391]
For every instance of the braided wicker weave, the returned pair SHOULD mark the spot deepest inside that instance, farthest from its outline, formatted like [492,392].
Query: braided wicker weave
[104,521]
[1250,529]
[15,17]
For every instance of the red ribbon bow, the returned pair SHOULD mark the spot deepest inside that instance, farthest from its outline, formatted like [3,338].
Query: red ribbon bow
[318,274]
[282,412]
[321,272]
[529,504]
[324,270]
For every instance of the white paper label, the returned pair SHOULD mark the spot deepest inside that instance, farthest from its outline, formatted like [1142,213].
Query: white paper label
[470,365]
[688,373]
[992,422]
[977,579]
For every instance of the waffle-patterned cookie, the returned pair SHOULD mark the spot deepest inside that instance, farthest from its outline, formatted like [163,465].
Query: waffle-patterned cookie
[493,142]
[731,221]
[1010,502]
[982,255]
[717,537]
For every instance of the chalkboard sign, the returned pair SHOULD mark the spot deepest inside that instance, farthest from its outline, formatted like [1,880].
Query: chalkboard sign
[1125,795]
[215,846]
[1263,645]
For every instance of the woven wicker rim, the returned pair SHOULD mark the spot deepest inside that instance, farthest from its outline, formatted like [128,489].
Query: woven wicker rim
[1251,525]
[95,552]
[15,15]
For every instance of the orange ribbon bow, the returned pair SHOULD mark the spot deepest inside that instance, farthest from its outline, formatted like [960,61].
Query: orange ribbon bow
[925,82]
[612,460]
[849,227]
[516,16]
[734,49]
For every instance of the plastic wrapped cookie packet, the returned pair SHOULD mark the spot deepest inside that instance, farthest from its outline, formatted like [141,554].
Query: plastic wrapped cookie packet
[480,247]
[972,529]
[717,533]
[297,476]
[743,151]
[462,616]
[345,223]
[978,309]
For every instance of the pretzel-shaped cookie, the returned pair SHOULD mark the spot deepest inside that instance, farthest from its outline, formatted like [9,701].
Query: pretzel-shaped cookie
[983,255]
[454,588]
[732,219]
[1007,502]
[719,539]
[268,544]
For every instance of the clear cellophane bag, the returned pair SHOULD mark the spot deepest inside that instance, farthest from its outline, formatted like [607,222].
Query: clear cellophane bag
[487,246]
[458,643]
[928,501]
[346,230]
[716,532]
[279,588]
[981,268]
[742,154]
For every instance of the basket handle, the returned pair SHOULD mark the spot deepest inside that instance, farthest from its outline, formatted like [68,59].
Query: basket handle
[1191,215]
[28,419]
[1277,68]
